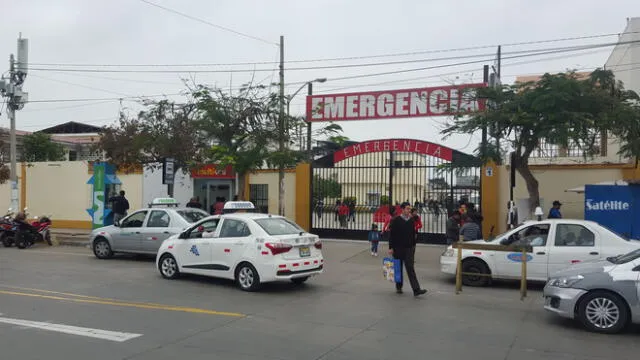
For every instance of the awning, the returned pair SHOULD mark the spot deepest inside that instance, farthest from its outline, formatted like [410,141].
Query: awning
[580,189]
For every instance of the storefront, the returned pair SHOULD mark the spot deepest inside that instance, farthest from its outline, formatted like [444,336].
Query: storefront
[211,182]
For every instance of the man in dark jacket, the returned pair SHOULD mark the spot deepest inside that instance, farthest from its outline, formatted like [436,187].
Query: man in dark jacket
[453,228]
[402,245]
[119,206]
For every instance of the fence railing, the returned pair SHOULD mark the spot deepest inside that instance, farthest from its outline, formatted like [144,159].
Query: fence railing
[523,250]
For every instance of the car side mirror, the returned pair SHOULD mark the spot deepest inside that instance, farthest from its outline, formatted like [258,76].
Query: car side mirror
[116,223]
[183,235]
[637,268]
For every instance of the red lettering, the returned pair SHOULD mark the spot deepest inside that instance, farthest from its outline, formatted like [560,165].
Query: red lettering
[406,145]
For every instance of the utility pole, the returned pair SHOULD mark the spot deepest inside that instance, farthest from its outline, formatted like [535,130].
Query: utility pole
[16,99]
[309,147]
[483,144]
[281,130]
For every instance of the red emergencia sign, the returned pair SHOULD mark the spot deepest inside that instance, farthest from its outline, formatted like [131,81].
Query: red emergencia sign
[402,145]
[211,171]
[406,103]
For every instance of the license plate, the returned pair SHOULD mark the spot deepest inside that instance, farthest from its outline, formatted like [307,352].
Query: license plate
[305,251]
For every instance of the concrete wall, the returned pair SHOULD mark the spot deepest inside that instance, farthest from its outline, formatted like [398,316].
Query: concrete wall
[270,178]
[553,181]
[60,189]
[153,187]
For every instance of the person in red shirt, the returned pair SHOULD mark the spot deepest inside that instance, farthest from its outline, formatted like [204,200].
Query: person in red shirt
[417,219]
[343,212]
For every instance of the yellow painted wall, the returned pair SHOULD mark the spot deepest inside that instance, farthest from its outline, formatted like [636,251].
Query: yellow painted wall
[553,181]
[60,189]
[271,179]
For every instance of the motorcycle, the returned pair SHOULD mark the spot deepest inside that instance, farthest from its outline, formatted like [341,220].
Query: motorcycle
[36,231]
[7,229]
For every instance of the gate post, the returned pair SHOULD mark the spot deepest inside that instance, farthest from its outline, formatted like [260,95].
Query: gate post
[303,196]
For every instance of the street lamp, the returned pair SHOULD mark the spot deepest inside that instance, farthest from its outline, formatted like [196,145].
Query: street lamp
[309,85]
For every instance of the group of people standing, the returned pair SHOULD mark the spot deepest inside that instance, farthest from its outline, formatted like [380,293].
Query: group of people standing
[215,208]
[466,222]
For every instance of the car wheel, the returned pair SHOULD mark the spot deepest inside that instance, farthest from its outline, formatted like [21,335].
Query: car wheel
[475,266]
[102,249]
[603,312]
[247,277]
[299,280]
[168,267]
[7,240]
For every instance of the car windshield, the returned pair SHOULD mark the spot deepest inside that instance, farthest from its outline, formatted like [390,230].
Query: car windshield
[278,226]
[625,258]
[192,216]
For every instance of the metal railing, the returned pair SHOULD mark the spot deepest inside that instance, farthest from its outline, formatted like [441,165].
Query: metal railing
[523,250]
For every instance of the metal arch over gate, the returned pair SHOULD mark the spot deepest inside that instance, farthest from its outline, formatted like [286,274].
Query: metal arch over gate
[369,176]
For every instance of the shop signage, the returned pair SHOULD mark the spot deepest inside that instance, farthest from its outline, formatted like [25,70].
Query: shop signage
[606,205]
[406,103]
[402,145]
[212,171]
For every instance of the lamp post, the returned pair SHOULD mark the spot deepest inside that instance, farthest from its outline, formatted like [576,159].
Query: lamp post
[309,85]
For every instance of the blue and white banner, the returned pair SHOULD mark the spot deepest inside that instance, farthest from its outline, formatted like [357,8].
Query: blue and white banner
[613,206]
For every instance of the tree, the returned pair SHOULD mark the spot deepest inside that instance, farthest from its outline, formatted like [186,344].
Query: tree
[163,129]
[560,109]
[39,147]
[326,188]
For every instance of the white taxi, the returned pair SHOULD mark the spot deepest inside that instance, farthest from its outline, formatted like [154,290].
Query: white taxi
[249,248]
[556,244]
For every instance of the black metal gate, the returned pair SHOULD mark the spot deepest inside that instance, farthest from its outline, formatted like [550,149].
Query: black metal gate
[372,178]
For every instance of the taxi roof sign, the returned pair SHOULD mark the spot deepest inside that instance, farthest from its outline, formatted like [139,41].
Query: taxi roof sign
[163,202]
[239,205]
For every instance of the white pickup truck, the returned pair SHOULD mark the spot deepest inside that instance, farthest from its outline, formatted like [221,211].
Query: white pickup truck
[556,244]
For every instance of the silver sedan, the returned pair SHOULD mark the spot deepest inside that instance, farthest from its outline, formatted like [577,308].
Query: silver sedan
[142,231]
[603,295]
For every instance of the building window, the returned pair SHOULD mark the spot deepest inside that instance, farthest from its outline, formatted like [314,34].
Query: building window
[259,196]
[73,155]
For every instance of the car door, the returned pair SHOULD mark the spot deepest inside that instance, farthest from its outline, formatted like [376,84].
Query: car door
[231,243]
[573,243]
[128,235]
[509,264]
[193,248]
[157,228]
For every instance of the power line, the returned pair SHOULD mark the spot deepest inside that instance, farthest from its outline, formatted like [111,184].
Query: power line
[522,54]
[207,22]
[413,53]
[80,85]
[141,97]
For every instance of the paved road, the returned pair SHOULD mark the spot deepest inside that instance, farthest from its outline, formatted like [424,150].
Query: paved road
[61,303]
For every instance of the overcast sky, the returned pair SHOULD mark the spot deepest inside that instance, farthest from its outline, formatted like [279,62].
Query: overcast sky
[133,32]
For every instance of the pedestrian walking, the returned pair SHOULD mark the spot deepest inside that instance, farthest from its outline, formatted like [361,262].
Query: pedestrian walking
[374,239]
[119,206]
[402,246]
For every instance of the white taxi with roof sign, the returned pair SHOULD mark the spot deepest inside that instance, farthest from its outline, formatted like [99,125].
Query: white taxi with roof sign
[142,231]
[250,248]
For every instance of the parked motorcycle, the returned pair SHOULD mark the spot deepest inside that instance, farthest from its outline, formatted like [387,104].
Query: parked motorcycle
[7,229]
[30,233]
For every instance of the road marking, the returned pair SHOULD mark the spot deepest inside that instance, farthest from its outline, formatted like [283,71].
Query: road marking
[150,306]
[68,294]
[73,330]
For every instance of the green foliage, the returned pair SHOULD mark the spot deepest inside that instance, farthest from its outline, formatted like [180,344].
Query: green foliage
[561,109]
[326,188]
[39,147]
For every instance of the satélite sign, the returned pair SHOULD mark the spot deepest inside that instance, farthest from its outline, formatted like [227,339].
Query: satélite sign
[605,205]
[405,103]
